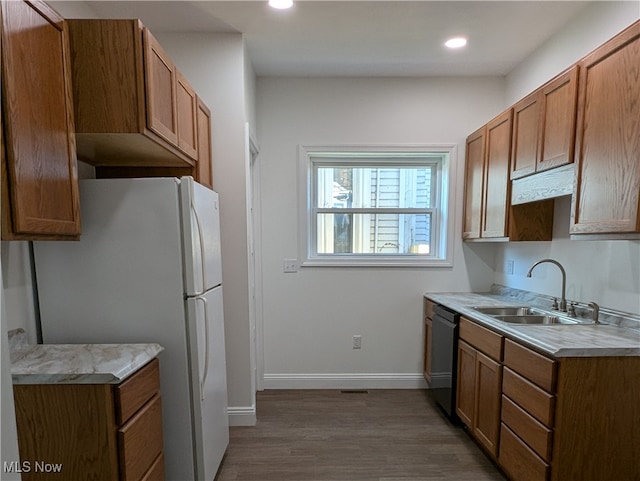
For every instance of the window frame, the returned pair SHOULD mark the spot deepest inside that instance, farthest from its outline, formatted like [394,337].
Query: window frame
[309,160]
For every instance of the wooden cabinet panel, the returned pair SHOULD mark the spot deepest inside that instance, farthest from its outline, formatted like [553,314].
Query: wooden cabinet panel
[187,111]
[483,339]
[133,393]
[156,471]
[526,121]
[140,441]
[69,424]
[534,400]
[428,343]
[465,389]
[497,190]
[597,428]
[607,186]
[427,309]
[559,99]
[487,408]
[518,460]
[535,434]
[474,183]
[205,152]
[39,166]
[535,367]
[161,90]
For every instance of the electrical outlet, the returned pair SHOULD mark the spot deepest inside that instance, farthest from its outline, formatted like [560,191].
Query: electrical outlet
[357,341]
[509,269]
[290,265]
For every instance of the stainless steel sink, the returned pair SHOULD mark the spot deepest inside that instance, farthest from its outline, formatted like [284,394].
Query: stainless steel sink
[534,319]
[526,315]
[505,311]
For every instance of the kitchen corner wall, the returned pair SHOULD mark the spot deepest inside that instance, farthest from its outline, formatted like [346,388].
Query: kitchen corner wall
[607,272]
[310,316]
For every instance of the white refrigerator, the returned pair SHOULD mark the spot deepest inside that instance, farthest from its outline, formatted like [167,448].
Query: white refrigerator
[148,269]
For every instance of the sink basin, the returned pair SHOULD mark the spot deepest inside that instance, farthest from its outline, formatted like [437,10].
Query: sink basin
[534,319]
[505,311]
[525,315]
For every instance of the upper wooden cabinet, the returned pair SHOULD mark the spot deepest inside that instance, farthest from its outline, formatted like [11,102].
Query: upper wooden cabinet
[544,126]
[204,173]
[497,189]
[39,169]
[161,90]
[474,181]
[607,184]
[488,213]
[133,107]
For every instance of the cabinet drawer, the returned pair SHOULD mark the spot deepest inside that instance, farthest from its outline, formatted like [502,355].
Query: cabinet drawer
[535,367]
[428,308]
[140,441]
[535,434]
[489,342]
[518,460]
[156,471]
[131,394]
[530,397]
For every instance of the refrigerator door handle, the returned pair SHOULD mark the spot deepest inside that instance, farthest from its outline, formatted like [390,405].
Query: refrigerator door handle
[202,250]
[205,372]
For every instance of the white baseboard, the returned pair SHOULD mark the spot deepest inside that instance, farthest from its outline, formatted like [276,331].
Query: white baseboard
[345,381]
[242,415]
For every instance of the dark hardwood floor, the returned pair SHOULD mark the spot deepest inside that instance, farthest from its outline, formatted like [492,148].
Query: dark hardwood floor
[329,435]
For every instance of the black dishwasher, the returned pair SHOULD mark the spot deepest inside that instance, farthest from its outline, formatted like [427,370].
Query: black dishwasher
[444,355]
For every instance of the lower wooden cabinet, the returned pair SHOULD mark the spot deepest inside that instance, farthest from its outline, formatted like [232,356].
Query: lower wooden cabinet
[518,460]
[479,383]
[92,431]
[428,338]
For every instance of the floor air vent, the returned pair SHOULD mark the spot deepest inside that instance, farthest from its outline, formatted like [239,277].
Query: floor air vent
[354,391]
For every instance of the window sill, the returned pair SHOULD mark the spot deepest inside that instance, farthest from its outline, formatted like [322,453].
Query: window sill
[364,261]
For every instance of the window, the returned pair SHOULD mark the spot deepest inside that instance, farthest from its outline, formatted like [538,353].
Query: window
[374,206]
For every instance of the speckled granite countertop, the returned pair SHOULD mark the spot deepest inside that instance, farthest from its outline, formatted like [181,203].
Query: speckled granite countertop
[621,337]
[75,363]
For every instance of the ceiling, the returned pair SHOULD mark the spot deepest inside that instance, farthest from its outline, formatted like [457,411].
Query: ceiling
[359,38]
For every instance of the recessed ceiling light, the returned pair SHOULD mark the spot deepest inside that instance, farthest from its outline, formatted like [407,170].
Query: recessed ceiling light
[281,4]
[456,42]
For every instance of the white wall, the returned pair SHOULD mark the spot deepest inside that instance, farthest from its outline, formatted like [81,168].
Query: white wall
[17,287]
[215,66]
[592,27]
[310,316]
[607,272]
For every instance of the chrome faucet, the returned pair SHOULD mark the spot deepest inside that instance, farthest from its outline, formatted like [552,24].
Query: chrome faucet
[563,301]
[596,312]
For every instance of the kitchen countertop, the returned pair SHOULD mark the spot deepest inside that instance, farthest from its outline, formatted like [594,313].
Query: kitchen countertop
[75,363]
[557,340]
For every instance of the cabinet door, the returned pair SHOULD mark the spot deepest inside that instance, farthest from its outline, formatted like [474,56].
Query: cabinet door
[474,181]
[204,173]
[428,339]
[486,426]
[465,394]
[187,113]
[526,126]
[40,161]
[161,90]
[607,185]
[558,121]
[497,186]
